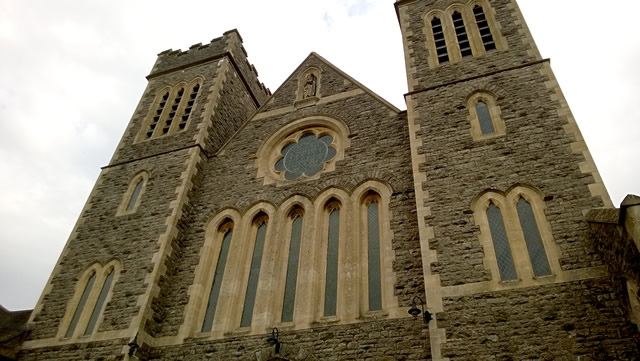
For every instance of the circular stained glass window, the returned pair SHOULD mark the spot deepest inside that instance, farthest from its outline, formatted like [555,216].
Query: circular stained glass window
[306,157]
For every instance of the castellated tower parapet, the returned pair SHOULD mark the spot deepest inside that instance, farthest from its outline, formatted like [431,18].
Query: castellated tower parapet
[230,44]
[198,97]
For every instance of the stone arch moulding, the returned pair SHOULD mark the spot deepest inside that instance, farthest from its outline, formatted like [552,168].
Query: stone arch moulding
[123,209]
[271,150]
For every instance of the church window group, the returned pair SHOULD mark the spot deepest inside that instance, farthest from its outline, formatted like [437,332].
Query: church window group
[453,38]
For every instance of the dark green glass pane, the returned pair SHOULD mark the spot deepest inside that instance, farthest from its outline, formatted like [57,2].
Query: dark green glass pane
[538,256]
[254,275]
[292,271]
[306,157]
[99,305]
[484,117]
[331,288]
[134,196]
[217,282]
[83,301]
[501,244]
[373,231]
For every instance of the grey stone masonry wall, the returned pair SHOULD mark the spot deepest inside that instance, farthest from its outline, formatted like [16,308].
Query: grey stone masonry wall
[512,29]
[401,339]
[95,351]
[230,180]
[577,321]
[102,236]
[614,243]
[234,108]
[535,150]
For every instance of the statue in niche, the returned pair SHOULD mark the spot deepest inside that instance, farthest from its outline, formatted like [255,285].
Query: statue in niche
[310,86]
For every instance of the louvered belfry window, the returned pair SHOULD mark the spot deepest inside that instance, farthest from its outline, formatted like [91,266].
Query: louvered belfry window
[501,244]
[216,285]
[157,115]
[483,27]
[187,110]
[439,39]
[461,34]
[172,113]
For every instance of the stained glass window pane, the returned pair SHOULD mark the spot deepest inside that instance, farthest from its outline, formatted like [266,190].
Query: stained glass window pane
[292,271]
[501,244]
[254,275]
[373,231]
[539,259]
[306,157]
[81,304]
[484,117]
[217,282]
[99,305]
[134,196]
[331,288]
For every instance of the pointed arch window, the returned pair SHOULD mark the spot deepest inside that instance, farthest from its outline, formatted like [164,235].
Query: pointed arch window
[133,196]
[461,34]
[331,272]
[483,26]
[173,111]
[292,266]
[513,226]
[439,40]
[373,252]
[260,224]
[501,244]
[225,233]
[158,113]
[532,238]
[187,110]
[81,304]
[97,309]
[484,117]
[89,305]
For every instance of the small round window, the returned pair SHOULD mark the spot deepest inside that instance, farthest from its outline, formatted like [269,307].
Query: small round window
[306,156]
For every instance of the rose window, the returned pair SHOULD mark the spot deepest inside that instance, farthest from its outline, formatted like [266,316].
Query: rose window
[306,157]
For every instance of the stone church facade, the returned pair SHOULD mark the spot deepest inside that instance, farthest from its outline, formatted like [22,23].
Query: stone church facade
[314,222]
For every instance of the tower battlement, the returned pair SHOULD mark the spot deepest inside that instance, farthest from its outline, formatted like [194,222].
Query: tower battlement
[228,45]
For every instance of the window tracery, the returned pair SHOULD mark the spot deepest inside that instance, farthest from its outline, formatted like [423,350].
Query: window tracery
[86,307]
[132,198]
[302,150]
[484,116]
[342,282]
[174,118]
[516,235]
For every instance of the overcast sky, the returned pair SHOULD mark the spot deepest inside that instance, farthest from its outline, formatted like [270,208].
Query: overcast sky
[72,72]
